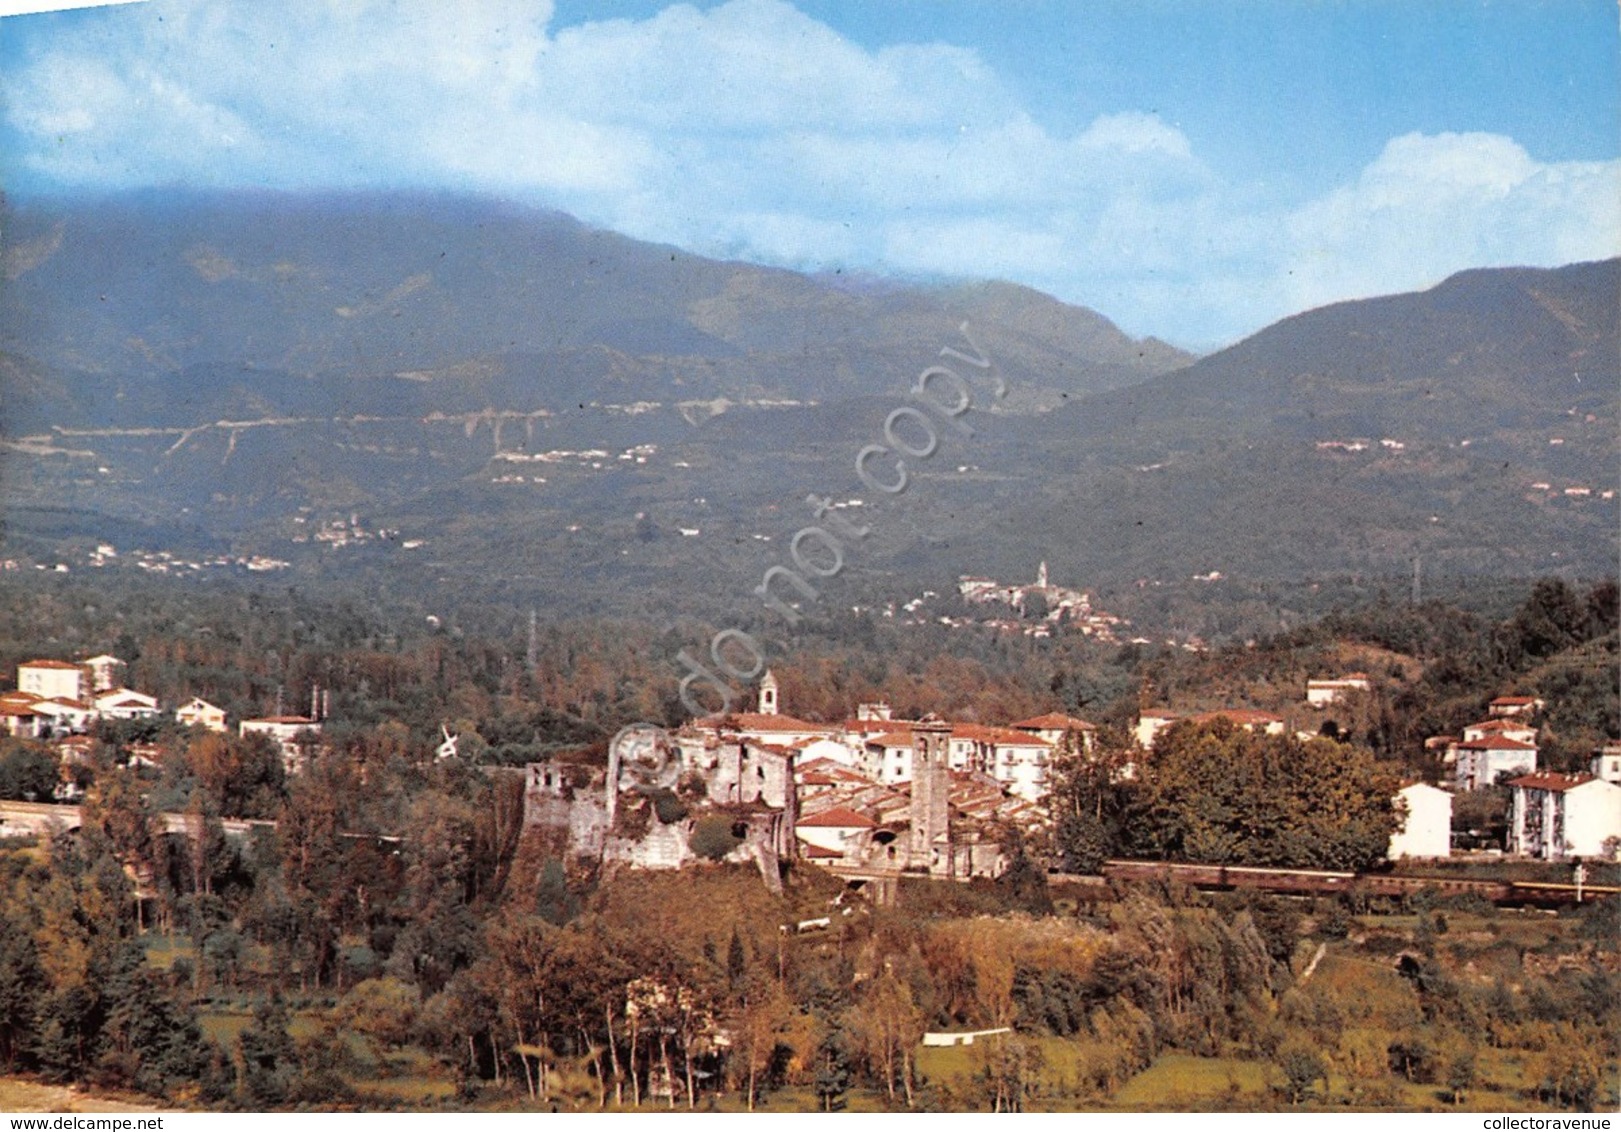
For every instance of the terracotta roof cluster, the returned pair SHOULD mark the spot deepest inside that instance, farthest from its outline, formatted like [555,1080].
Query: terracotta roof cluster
[860,794]
[980,800]
[837,772]
[54,665]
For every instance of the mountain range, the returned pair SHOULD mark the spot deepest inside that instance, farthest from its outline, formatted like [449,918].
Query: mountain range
[532,411]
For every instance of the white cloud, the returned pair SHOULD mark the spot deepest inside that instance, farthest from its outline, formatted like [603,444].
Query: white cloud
[1432,205]
[1134,133]
[755,131]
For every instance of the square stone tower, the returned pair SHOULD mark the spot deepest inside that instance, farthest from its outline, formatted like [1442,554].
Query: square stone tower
[931,796]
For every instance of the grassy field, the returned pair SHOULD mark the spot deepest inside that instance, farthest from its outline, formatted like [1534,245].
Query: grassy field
[1178,1082]
[163,950]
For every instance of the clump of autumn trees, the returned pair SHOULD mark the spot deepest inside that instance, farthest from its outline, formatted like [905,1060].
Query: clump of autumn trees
[78,1001]
[1219,793]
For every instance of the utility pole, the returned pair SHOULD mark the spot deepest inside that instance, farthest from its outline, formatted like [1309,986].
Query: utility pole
[1418,579]
[532,658]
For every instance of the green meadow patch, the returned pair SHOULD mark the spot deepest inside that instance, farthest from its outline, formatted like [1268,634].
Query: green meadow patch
[1181,1081]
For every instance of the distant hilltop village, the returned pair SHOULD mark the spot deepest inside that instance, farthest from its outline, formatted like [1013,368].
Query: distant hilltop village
[1056,605]
[1038,608]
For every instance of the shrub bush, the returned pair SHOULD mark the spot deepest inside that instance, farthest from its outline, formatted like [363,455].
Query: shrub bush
[713,837]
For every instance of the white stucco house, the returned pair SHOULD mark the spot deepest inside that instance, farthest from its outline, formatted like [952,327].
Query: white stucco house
[833,750]
[1561,816]
[198,712]
[1325,691]
[1150,722]
[66,715]
[1501,729]
[887,758]
[1607,763]
[52,679]
[105,671]
[1504,707]
[125,703]
[839,830]
[1426,823]
[1479,762]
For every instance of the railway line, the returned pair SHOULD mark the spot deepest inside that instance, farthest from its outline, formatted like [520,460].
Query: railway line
[1312,882]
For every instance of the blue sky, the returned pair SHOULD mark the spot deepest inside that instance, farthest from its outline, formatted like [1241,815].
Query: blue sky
[1193,169]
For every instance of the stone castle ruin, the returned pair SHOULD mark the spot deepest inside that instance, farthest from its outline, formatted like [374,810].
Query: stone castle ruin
[663,802]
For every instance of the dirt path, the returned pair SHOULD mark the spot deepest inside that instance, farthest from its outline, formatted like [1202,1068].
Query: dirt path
[1311,968]
[19,1095]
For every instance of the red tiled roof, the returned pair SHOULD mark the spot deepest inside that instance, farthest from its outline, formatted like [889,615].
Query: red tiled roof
[1500,725]
[892,739]
[1054,721]
[754,721]
[1513,701]
[1548,780]
[1496,745]
[817,778]
[980,733]
[839,817]
[56,665]
[815,764]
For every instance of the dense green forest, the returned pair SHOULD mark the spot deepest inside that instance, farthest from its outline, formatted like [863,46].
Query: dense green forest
[394,941]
